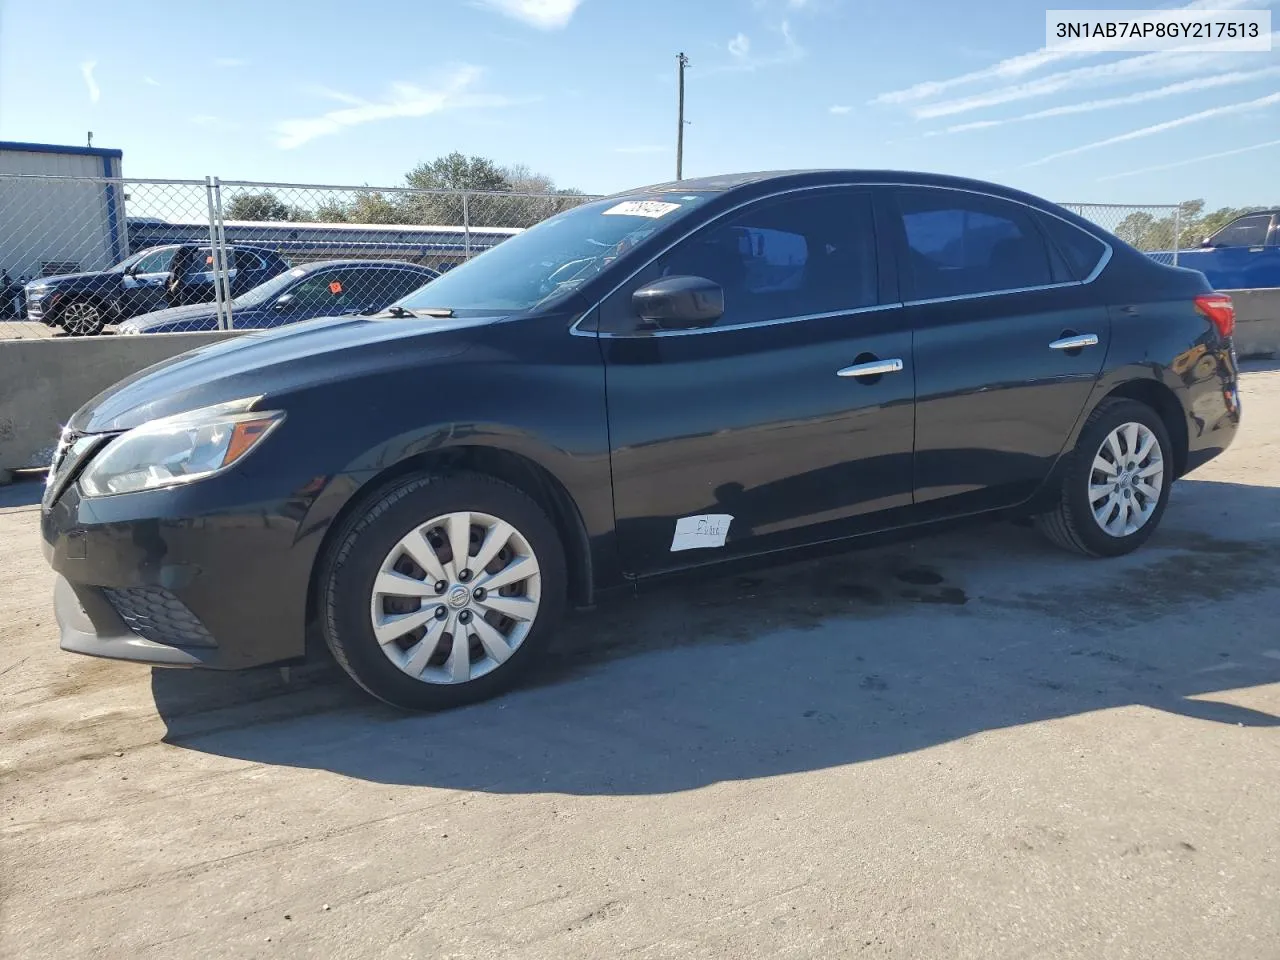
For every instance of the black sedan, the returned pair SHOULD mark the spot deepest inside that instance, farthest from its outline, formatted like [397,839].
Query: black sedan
[671,378]
[327,288]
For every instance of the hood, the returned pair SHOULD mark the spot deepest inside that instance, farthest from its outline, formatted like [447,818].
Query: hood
[196,311]
[274,363]
[69,279]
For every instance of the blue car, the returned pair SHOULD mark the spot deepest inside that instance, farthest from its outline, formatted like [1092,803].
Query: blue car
[1243,255]
[328,288]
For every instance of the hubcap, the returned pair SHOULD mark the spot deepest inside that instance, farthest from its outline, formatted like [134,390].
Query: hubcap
[1126,480]
[455,597]
[80,318]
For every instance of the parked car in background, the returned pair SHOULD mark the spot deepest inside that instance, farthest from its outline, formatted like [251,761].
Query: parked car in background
[84,303]
[683,376]
[327,288]
[1243,255]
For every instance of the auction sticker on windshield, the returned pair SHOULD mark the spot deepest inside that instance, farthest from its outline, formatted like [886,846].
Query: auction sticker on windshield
[642,208]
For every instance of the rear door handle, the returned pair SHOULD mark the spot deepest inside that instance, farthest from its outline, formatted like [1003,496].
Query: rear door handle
[872,369]
[1076,342]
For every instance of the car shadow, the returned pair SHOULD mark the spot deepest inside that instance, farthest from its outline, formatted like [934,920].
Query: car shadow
[810,665]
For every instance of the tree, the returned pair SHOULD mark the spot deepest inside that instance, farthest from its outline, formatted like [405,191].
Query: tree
[457,172]
[258,206]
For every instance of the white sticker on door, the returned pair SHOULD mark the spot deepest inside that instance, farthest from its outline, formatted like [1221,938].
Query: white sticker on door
[704,530]
[653,209]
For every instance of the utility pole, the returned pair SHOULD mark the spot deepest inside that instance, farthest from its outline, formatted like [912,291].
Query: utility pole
[681,61]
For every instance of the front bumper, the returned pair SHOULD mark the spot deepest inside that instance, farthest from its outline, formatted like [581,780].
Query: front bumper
[185,577]
[91,625]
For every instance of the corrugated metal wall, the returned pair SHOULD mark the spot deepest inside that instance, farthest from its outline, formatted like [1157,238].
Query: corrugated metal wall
[82,221]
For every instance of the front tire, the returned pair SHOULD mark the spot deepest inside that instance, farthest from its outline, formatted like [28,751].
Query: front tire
[82,318]
[421,631]
[1115,483]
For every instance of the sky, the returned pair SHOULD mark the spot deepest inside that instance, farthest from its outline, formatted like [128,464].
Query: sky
[585,92]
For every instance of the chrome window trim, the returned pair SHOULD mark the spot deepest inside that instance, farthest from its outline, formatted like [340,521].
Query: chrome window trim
[1097,270]
[645,334]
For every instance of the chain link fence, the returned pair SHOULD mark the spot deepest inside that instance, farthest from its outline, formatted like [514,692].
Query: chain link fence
[1155,229]
[85,256]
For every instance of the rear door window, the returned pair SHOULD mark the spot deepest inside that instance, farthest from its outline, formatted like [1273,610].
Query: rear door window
[963,244]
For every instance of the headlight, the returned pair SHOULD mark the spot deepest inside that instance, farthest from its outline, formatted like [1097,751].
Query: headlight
[178,449]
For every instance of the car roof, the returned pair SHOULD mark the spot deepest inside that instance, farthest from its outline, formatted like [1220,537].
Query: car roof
[767,181]
[357,262]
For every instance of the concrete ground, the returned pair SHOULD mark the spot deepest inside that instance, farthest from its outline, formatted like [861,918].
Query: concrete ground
[972,746]
[25,330]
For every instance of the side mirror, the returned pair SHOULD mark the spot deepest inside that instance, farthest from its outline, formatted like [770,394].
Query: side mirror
[283,302]
[1206,241]
[680,303]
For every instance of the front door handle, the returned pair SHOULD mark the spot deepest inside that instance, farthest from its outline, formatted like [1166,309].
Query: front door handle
[872,369]
[1076,342]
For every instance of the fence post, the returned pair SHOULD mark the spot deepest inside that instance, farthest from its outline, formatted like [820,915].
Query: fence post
[1177,232]
[222,275]
[213,248]
[466,228]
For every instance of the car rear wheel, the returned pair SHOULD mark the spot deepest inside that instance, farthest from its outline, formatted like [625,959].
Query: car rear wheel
[444,591]
[1115,483]
[82,318]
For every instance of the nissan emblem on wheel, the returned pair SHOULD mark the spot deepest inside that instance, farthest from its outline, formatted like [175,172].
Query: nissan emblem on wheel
[660,382]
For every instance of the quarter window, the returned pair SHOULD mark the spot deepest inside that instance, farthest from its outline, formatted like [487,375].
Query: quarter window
[961,244]
[1081,250]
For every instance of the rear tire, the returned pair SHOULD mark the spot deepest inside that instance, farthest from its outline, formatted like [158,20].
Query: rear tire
[1115,483]
[384,571]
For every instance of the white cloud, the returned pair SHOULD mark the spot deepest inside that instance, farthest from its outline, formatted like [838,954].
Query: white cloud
[745,61]
[740,46]
[1143,96]
[1245,107]
[838,109]
[86,71]
[543,14]
[1147,66]
[642,148]
[151,81]
[1013,67]
[229,62]
[404,100]
[1191,160]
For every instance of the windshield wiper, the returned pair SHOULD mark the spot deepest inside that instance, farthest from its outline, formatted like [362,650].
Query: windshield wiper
[399,312]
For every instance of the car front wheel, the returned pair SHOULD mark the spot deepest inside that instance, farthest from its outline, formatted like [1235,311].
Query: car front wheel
[443,591]
[82,318]
[1115,483]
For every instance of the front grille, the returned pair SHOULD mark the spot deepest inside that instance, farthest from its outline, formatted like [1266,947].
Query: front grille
[69,455]
[155,614]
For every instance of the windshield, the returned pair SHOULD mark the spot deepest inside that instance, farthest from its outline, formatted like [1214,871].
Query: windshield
[273,288]
[128,262]
[549,261]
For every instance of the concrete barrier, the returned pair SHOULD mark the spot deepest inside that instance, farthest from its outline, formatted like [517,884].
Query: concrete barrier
[1257,322]
[43,382]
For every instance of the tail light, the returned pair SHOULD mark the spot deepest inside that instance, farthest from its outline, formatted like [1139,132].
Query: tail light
[1219,310]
